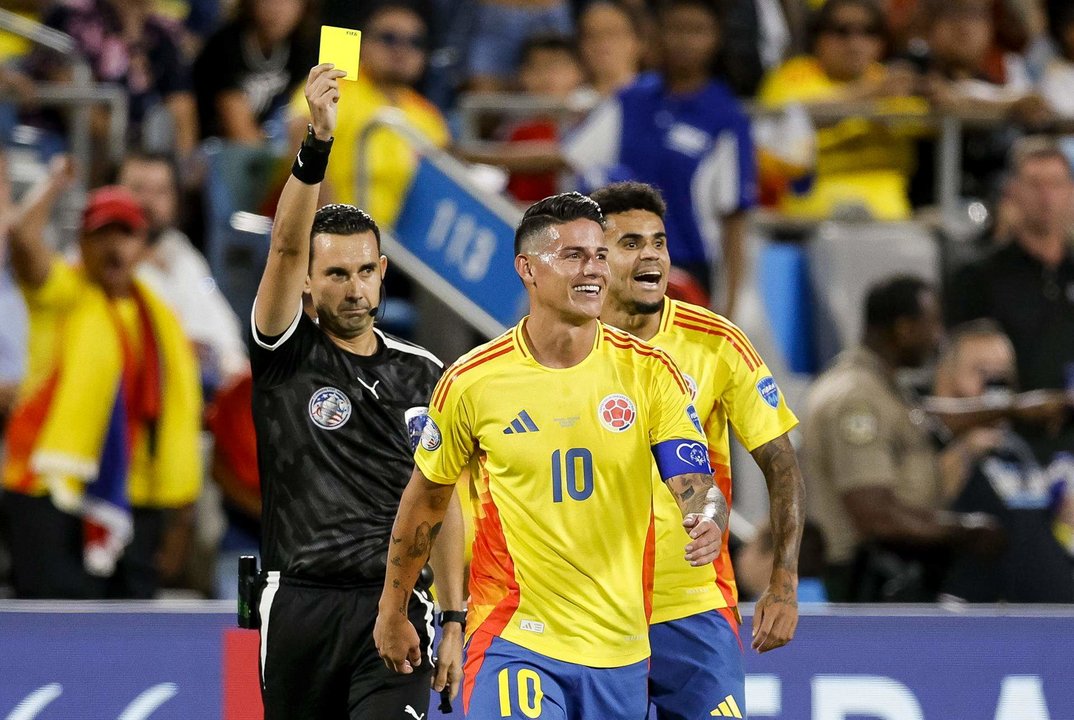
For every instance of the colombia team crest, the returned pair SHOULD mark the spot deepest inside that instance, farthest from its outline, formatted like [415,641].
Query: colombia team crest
[329,408]
[616,412]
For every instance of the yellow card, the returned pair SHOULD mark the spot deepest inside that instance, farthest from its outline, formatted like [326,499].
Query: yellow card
[341,47]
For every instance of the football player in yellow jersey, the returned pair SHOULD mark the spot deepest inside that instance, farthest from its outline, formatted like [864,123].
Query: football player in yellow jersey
[694,634]
[559,420]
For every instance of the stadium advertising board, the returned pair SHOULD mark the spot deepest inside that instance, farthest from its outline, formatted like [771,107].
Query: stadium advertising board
[133,663]
[448,234]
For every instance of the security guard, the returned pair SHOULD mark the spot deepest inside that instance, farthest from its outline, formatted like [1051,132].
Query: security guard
[872,471]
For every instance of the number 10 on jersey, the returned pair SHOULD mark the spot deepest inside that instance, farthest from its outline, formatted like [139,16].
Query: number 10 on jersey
[573,469]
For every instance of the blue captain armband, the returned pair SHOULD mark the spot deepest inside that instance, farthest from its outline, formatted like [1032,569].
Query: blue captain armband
[680,457]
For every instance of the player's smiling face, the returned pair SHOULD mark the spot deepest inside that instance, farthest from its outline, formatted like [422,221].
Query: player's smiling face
[344,281]
[570,270]
[638,261]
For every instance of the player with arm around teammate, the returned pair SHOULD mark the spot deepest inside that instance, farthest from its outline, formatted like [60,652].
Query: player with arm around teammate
[558,420]
[338,407]
[695,619]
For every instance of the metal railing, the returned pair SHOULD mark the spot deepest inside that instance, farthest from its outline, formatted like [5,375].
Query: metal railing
[81,94]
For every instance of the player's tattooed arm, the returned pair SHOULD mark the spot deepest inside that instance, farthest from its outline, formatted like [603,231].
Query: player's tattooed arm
[696,494]
[422,543]
[449,570]
[417,523]
[704,510]
[775,616]
[786,492]
[448,557]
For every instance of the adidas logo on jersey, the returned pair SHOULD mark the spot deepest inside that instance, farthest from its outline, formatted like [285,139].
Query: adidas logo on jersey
[521,424]
[728,708]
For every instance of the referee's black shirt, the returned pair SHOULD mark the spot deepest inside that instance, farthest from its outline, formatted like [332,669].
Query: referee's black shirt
[335,438]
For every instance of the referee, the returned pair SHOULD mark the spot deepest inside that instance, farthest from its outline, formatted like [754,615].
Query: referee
[338,407]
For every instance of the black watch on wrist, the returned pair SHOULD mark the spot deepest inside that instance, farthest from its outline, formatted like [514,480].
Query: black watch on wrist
[314,143]
[456,616]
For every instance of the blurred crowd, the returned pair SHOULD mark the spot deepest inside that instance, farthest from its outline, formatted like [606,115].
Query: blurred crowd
[938,449]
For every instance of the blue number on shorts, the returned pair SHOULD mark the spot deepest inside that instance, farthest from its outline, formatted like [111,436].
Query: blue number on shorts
[570,459]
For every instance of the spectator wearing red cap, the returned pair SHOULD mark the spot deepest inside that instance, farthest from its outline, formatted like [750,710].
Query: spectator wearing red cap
[101,451]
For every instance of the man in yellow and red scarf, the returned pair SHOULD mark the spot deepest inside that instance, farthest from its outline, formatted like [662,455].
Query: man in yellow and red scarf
[102,448]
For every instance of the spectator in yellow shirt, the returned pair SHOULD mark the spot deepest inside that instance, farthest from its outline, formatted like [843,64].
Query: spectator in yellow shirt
[859,162]
[394,52]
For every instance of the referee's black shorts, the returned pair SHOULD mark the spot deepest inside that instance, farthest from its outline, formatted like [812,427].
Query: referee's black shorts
[318,659]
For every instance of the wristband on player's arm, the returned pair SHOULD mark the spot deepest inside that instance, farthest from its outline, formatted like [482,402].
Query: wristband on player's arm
[311,162]
[455,616]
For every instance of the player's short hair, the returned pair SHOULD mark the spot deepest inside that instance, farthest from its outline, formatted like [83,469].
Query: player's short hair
[340,219]
[892,299]
[555,210]
[549,42]
[623,197]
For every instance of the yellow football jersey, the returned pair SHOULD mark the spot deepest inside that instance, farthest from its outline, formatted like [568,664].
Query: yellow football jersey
[560,487]
[729,382]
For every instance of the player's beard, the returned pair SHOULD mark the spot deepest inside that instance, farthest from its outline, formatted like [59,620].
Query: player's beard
[647,308]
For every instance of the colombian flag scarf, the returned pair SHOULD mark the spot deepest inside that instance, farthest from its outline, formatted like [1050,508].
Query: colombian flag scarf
[76,433]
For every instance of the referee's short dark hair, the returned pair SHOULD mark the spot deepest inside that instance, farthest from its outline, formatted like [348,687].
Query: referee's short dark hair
[623,197]
[340,219]
[894,298]
[556,210]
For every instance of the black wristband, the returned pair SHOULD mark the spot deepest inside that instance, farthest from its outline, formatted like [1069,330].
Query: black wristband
[310,164]
[458,616]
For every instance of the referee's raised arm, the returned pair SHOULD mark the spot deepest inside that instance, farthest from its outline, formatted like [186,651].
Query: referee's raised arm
[280,293]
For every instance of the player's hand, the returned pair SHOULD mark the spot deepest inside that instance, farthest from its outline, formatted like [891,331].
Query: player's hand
[775,615]
[449,660]
[397,642]
[322,96]
[706,539]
